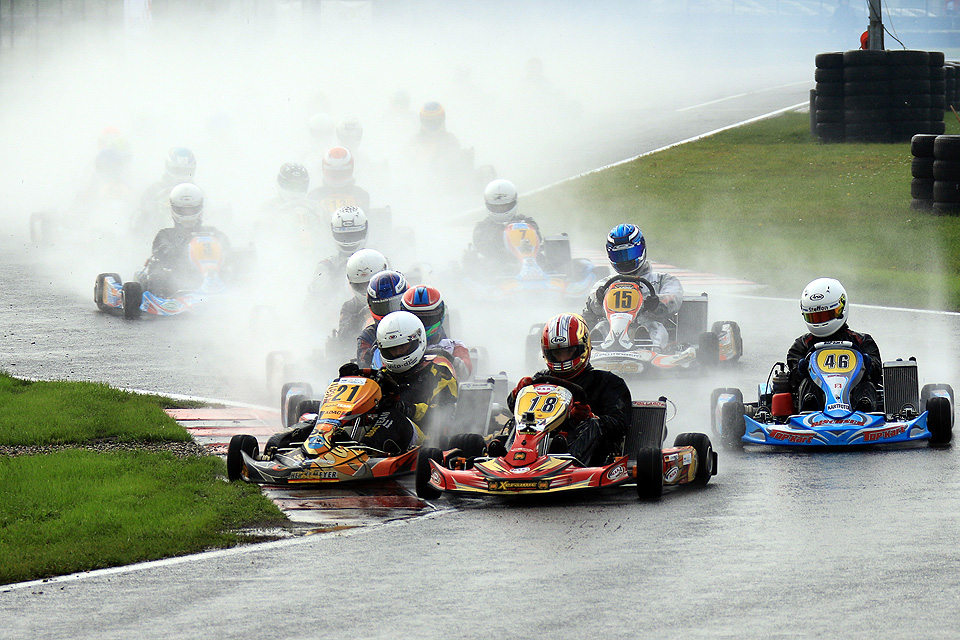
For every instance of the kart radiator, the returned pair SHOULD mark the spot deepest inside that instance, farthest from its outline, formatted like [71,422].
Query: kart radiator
[647,426]
[900,387]
[692,318]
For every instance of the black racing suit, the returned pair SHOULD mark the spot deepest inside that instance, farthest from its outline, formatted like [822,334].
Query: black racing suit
[609,399]
[427,394]
[800,383]
[169,268]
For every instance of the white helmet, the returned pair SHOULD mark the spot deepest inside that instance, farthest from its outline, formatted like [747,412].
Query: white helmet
[362,266]
[402,341]
[349,226]
[186,204]
[823,304]
[500,197]
[337,167]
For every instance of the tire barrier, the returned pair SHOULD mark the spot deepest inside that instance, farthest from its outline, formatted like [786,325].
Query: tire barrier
[876,95]
[936,173]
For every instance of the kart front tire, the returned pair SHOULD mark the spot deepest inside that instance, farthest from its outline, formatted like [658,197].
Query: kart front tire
[131,298]
[705,459]
[939,421]
[240,443]
[733,425]
[649,473]
[425,490]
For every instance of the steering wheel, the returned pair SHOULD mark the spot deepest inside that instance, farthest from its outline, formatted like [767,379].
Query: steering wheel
[578,393]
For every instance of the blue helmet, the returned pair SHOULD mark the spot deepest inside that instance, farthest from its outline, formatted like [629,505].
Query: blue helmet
[627,249]
[385,292]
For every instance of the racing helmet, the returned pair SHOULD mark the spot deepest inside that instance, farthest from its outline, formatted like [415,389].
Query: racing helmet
[500,196]
[186,204]
[823,304]
[293,180]
[385,292]
[337,167]
[349,227]
[402,341]
[427,304]
[626,249]
[350,133]
[362,266]
[565,343]
[432,116]
[180,165]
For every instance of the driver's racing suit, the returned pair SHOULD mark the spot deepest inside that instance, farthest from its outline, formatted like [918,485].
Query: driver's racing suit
[490,253]
[169,268]
[608,397]
[668,290]
[801,385]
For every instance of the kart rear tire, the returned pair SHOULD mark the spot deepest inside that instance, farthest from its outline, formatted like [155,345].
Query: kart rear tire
[99,287]
[704,448]
[425,490]
[939,421]
[471,444]
[240,443]
[131,296]
[649,473]
[733,425]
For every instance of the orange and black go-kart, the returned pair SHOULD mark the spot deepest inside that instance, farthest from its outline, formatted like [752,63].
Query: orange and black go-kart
[622,345]
[320,444]
[528,466]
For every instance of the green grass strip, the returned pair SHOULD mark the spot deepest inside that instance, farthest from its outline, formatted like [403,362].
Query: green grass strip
[768,203]
[78,510]
[45,413]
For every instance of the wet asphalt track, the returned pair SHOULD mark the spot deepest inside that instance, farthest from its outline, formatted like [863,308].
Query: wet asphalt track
[792,545]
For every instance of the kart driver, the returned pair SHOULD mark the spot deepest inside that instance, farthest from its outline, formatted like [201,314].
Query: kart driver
[599,423]
[338,187]
[500,198]
[426,386]
[427,304]
[169,268]
[348,225]
[825,310]
[627,251]
[179,167]
[384,294]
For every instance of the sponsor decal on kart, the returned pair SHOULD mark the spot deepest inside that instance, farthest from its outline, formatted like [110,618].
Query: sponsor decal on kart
[603,356]
[435,478]
[671,474]
[521,470]
[517,485]
[837,406]
[787,436]
[883,434]
[313,474]
[520,455]
[856,420]
[617,472]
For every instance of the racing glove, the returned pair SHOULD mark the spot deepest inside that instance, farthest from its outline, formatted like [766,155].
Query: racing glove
[512,397]
[803,366]
[580,411]
[651,302]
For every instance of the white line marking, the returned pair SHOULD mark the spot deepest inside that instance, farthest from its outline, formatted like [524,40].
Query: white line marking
[741,95]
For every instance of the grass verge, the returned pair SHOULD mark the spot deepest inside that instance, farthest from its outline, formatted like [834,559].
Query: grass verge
[768,203]
[78,510]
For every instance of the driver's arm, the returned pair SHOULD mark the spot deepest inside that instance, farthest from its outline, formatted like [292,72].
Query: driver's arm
[670,292]
[798,350]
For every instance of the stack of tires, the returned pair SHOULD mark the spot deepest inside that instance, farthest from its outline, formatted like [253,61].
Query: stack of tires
[878,96]
[952,84]
[936,173]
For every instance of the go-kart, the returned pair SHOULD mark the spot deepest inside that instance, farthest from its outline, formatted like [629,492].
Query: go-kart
[320,444]
[621,343]
[544,267]
[850,412]
[527,464]
[111,294]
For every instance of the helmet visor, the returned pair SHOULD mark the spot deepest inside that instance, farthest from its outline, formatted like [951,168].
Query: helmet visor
[819,317]
[350,237]
[632,253]
[400,350]
[381,308]
[563,354]
[501,207]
